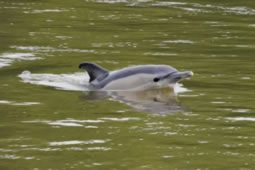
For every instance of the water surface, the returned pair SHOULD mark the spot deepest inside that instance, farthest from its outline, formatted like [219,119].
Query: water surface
[49,120]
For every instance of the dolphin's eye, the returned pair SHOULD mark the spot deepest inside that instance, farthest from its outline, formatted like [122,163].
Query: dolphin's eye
[156,79]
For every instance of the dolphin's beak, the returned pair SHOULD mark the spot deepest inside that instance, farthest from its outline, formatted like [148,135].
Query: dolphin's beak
[181,75]
[188,74]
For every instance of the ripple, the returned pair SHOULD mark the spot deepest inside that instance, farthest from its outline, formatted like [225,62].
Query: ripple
[84,121]
[121,119]
[29,158]
[66,123]
[76,142]
[81,123]
[170,133]
[9,156]
[206,8]
[168,156]
[50,49]
[99,148]
[168,3]
[6,150]
[203,142]
[232,145]
[241,119]
[241,110]
[18,104]
[75,149]
[245,78]
[42,149]
[4,102]
[108,1]
[26,103]
[237,10]
[114,45]
[218,102]
[63,37]
[179,41]
[6,59]
[72,122]
[37,11]
[161,54]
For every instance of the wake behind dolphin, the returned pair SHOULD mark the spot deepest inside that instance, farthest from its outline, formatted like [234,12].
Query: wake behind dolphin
[142,77]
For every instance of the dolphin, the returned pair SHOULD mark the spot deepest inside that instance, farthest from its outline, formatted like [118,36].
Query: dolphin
[141,77]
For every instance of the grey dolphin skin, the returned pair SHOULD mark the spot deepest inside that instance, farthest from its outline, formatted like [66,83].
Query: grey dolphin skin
[135,77]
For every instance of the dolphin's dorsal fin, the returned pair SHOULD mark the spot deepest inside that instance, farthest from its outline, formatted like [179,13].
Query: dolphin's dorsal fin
[94,71]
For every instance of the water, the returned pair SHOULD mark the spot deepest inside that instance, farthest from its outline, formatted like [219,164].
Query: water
[50,121]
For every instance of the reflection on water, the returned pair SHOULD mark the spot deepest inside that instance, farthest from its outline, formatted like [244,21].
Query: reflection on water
[158,101]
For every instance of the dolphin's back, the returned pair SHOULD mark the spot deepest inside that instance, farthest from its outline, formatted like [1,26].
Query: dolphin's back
[147,70]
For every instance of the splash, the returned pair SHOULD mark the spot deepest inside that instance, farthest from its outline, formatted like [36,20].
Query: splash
[71,82]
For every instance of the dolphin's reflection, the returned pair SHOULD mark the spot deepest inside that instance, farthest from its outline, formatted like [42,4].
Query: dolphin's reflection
[158,101]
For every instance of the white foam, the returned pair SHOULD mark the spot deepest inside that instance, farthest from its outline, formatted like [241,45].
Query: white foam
[72,82]
[178,88]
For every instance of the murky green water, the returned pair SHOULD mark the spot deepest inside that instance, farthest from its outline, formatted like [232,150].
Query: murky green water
[48,122]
